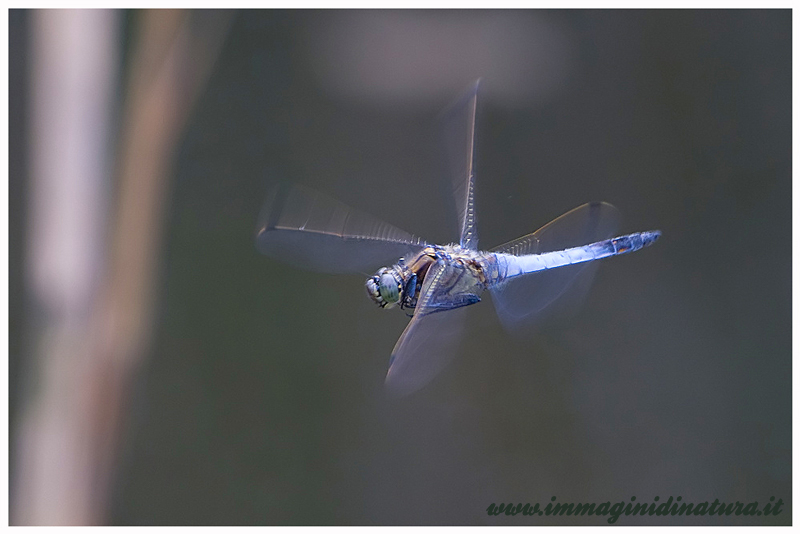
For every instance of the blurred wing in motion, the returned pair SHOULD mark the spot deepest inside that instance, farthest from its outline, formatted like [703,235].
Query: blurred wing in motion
[430,339]
[524,300]
[312,231]
[458,125]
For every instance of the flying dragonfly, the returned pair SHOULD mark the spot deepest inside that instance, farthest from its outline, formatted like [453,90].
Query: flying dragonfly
[436,283]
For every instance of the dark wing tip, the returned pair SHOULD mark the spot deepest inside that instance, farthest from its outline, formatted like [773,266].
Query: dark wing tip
[601,204]
[273,207]
[465,95]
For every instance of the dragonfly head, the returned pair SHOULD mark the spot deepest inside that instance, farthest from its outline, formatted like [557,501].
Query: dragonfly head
[385,287]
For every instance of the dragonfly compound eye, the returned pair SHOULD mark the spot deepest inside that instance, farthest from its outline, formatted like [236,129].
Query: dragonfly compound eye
[389,288]
[384,288]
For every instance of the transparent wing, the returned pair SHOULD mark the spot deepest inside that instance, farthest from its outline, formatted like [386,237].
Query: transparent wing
[430,340]
[312,231]
[527,299]
[458,125]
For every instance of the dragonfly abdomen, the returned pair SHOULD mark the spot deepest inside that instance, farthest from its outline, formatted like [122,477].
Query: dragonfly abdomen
[509,266]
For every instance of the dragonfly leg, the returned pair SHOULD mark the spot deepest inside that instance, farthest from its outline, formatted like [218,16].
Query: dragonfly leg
[410,291]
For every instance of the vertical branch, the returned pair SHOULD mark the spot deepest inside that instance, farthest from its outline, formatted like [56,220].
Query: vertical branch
[170,65]
[85,367]
[72,87]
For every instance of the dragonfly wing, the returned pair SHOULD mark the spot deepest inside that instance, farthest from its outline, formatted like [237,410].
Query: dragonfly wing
[458,124]
[312,231]
[529,298]
[430,340]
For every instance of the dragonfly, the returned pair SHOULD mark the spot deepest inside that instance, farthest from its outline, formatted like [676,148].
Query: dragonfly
[433,283]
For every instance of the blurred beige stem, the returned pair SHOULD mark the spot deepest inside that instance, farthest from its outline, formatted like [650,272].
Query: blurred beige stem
[87,355]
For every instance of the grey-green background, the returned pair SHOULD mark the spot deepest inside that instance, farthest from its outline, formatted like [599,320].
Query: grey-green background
[261,401]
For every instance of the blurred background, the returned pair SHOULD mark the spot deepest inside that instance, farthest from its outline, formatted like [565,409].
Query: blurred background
[162,372]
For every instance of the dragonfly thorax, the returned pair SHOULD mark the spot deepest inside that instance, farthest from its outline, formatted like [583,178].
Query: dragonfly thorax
[401,284]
